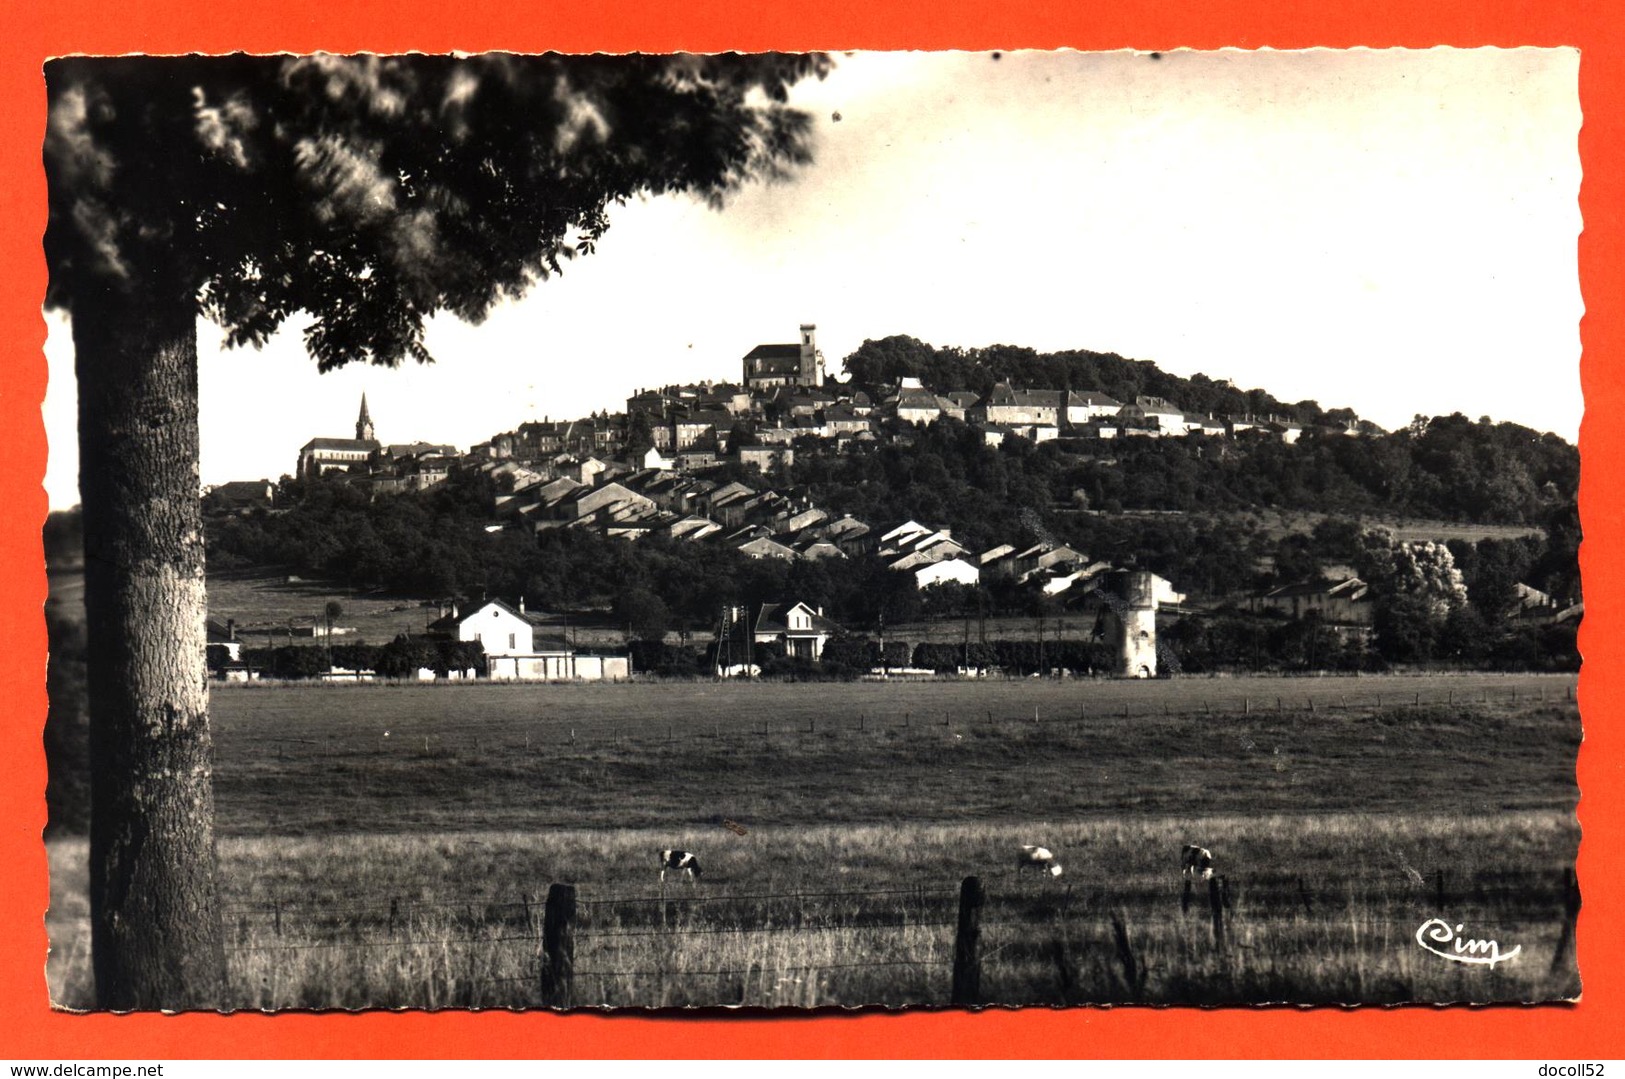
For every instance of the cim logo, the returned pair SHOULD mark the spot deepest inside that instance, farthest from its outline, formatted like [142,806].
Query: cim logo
[1437,936]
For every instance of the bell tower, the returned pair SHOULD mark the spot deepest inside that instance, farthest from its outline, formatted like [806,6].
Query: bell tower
[811,372]
[363,423]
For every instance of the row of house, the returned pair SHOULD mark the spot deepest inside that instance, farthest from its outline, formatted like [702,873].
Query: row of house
[1345,600]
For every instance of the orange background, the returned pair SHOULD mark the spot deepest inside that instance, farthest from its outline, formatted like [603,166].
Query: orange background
[28,1029]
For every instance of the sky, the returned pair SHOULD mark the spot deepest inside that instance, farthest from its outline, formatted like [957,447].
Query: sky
[1393,231]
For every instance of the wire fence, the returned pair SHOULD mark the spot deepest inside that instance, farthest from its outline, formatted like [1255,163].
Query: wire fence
[560,948]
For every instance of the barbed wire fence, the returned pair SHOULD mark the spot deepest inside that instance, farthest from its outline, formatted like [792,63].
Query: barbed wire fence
[635,947]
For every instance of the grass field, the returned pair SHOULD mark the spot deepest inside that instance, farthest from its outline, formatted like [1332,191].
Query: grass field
[1335,828]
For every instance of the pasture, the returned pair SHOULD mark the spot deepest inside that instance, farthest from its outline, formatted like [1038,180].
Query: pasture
[407,869]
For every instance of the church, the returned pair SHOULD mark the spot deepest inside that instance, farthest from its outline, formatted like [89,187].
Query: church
[799,364]
[321,455]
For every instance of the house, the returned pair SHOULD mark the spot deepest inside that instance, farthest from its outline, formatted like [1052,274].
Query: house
[934,548]
[610,498]
[947,571]
[916,404]
[812,549]
[1151,415]
[240,496]
[767,458]
[798,628]
[1197,424]
[1288,431]
[225,635]
[653,458]
[766,547]
[1347,600]
[845,420]
[799,364]
[1082,406]
[1041,557]
[516,652]
[1007,406]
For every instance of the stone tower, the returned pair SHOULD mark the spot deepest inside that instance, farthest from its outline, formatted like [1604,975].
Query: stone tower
[812,361]
[363,423]
[1138,615]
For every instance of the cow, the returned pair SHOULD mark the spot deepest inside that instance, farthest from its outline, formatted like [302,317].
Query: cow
[679,861]
[1039,858]
[1196,861]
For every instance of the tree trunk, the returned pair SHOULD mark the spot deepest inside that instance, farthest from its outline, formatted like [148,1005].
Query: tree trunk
[155,915]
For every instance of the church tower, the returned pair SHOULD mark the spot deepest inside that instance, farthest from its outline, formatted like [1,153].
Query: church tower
[363,423]
[812,361]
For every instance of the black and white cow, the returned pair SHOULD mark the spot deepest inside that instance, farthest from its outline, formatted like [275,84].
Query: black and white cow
[1039,858]
[679,861]
[1196,861]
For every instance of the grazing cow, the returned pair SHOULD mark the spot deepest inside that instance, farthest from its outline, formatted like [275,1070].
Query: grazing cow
[679,861]
[1196,861]
[1039,858]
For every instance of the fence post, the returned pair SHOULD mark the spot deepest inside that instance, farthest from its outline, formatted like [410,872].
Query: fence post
[277,915]
[1133,974]
[1571,913]
[1215,902]
[967,987]
[558,946]
[394,912]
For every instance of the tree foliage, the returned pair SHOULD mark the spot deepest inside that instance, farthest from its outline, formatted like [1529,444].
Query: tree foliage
[373,191]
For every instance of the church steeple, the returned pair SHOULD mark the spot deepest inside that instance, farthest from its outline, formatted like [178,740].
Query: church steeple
[363,423]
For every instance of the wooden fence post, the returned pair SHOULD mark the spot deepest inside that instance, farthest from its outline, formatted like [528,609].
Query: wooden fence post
[1571,914]
[1215,902]
[1134,974]
[394,912]
[967,988]
[558,946]
[277,916]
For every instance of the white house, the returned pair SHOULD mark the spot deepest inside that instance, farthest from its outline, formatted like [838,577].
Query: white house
[802,630]
[515,652]
[949,570]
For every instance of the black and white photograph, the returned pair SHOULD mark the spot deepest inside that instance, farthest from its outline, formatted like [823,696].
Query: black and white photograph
[813,530]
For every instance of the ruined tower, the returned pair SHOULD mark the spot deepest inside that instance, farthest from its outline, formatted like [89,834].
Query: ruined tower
[1137,652]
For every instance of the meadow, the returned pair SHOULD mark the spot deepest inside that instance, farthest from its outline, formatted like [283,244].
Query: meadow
[391,845]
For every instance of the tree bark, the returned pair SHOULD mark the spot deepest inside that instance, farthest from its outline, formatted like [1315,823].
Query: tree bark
[155,915]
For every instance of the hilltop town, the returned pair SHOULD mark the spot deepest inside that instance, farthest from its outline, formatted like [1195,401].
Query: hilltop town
[789,467]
